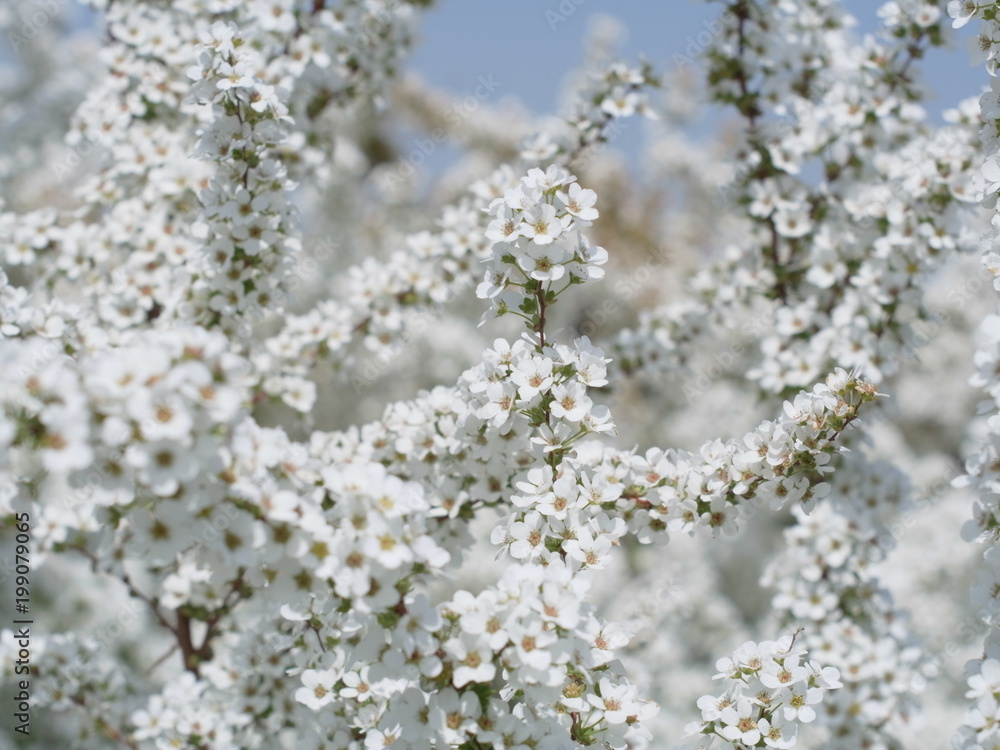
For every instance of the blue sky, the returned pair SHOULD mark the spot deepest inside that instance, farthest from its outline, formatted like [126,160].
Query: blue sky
[529,51]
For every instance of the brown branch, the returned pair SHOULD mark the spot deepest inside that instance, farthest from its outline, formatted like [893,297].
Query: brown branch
[170,652]
[188,651]
[204,651]
[772,255]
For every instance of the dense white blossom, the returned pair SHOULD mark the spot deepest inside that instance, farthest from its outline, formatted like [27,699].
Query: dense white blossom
[285,492]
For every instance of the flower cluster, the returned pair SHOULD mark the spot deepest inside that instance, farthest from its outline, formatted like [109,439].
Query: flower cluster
[525,412]
[378,300]
[609,93]
[824,583]
[537,244]
[984,690]
[830,274]
[336,564]
[332,587]
[780,463]
[533,627]
[770,688]
[130,244]
[247,213]
[133,424]
[980,729]
[381,301]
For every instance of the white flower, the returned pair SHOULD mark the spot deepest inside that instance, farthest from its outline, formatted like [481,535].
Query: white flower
[598,489]
[506,227]
[163,464]
[500,397]
[378,739]
[219,36]
[570,401]
[591,551]
[579,202]
[384,545]
[317,690]
[540,224]
[532,376]
[590,369]
[991,171]
[553,177]
[712,706]
[356,685]
[177,586]
[962,11]
[474,611]
[986,681]
[927,15]
[778,732]
[792,222]
[453,715]
[797,702]
[599,420]
[164,418]
[473,659]
[526,537]
[532,645]
[776,675]
[153,720]
[621,102]
[825,677]
[560,500]
[616,702]
[982,48]
[237,75]
[275,15]
[542,261]
[740,723]
[65,446]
